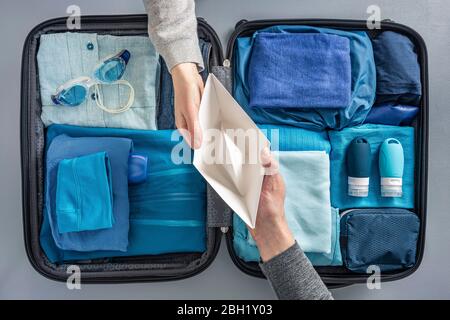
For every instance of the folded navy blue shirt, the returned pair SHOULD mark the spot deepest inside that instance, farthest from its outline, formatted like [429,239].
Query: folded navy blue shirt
[300,70]
[398,69]
[392,114]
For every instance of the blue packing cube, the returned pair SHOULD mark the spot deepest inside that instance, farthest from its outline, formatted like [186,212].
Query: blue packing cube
[385,237]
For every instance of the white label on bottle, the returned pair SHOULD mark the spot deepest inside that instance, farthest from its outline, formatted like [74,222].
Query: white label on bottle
[358,181]
[391,182]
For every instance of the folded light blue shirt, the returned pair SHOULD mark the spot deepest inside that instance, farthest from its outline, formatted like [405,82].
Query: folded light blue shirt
[65,56]
[114,238]
[363,79]
[375,135]
[84,195]
[299,70]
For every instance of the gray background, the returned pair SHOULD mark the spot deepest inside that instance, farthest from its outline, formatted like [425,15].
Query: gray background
[223,279]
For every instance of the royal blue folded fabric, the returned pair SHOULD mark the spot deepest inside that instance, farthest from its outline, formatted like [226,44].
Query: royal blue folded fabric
[65,147]
[398,69]
[167,212]
[375,135]
[392,114]
[287,138]
[84,195]
[363,79]
[299,70]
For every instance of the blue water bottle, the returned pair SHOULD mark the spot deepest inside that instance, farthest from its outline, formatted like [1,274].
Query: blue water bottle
[358,167]
[391,162]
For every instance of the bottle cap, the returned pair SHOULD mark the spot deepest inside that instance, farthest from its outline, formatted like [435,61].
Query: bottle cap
[358,167]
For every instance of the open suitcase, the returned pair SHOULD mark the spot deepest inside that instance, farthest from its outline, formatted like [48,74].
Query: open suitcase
[219,217]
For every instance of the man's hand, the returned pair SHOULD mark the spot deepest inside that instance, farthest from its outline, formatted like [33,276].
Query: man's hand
[188,87]
[271,233]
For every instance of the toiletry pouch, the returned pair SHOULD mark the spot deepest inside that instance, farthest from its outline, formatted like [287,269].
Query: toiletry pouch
[384,237]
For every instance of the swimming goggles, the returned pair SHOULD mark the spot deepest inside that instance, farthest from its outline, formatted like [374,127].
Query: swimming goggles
[108,72]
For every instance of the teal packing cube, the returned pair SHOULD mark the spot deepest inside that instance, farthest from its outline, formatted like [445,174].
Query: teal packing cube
[84,199]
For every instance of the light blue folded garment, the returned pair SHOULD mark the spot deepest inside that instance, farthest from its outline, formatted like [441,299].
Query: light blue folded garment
[115,238]
[334,258]
[306,175]
[167,211]
[375,135]
[65,56]
[363,78]
[287,138]
[84,199]
[246,249]
[299,70]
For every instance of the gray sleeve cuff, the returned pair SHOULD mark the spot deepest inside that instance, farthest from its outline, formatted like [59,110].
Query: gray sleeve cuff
[182,51]
[293,277]
[172,27]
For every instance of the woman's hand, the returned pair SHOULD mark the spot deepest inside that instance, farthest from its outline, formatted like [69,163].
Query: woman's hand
[271,233]
[188,87]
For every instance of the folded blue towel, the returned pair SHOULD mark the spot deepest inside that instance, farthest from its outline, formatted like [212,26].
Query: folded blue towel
[375,135]
[392,114]
[68,55]
[286,138]
[398,69]
[118,149]
[299,70]
[363,79]
[246,249]
[84,195]
[167,211]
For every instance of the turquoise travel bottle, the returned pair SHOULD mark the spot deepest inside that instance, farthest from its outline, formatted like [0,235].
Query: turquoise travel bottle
[391,162]
[358,167]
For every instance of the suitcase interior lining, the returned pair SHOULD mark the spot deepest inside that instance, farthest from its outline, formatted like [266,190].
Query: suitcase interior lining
[166,265]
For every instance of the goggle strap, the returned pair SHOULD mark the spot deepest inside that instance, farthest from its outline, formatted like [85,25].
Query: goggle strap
[99,98]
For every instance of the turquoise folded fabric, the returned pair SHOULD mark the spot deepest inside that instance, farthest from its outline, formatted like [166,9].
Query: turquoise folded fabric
[363,79]
[65,56]
[84,195]
[167,213]
[62,147]
[287,138]
[246,249]
[375,135]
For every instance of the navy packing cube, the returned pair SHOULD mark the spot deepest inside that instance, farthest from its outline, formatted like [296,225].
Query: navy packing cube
[164,267]
[385,237]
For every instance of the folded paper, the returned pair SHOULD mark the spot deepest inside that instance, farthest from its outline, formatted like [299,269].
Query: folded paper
[229,155]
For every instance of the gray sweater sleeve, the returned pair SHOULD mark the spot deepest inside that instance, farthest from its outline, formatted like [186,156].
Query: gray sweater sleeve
[293,277]
[172,27]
